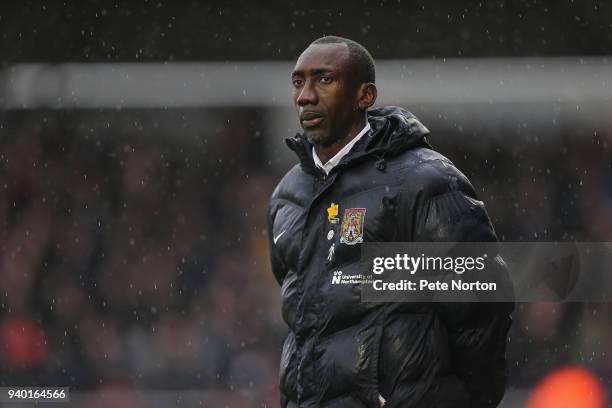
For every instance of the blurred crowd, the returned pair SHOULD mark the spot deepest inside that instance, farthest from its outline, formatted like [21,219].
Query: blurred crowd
[134,261]
[547,183]
[140,261]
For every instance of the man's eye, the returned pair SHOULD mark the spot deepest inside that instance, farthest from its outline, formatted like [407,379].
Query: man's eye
[296,82]
[325,79]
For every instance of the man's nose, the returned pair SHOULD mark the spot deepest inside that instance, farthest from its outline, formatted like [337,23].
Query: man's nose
[307,95]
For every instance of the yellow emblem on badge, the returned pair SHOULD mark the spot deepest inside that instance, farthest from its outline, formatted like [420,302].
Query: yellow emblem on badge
[332,213]
[351,232]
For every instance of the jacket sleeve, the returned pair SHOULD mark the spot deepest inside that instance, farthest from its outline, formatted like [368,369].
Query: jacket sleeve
[477,331]
[278,267]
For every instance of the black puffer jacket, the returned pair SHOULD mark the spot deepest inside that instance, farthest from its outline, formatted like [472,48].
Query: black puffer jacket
[341,352]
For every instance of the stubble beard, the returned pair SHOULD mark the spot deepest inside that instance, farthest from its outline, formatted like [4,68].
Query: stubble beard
[322,140]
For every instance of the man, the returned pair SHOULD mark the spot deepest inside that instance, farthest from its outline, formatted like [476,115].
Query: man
[371,175]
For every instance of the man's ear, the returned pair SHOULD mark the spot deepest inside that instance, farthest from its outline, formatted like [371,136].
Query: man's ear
[367,95]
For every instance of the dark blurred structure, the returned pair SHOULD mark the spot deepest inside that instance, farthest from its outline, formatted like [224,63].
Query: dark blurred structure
[277,30]
[133,247]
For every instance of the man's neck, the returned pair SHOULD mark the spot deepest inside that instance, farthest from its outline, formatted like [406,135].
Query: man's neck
[327,152]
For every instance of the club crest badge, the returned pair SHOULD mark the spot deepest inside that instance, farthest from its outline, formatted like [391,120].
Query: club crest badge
[332,213]
[351,231]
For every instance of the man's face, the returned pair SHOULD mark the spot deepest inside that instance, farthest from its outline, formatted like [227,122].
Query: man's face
[324,94]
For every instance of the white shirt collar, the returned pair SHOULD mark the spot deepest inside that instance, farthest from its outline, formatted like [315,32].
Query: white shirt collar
[333,162]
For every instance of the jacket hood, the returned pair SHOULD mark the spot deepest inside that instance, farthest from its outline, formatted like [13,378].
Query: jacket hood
[393,131]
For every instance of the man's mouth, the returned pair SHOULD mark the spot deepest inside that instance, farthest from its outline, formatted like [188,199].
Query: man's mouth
[311,119]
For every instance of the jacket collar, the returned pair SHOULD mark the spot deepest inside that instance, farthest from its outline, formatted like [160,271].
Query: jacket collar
[333,162]
[394,130]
